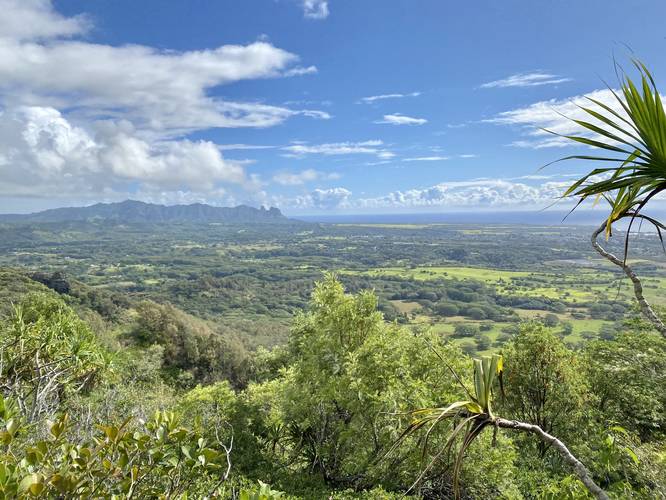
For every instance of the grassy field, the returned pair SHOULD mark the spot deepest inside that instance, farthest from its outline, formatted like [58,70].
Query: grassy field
[581,327]
[490,276]
[406,307]
[583,285]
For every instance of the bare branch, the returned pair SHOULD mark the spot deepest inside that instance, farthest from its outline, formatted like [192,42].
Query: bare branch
[645,306]
[579,469]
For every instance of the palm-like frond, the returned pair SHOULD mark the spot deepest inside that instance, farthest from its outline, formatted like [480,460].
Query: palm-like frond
[634,149]
[474,415]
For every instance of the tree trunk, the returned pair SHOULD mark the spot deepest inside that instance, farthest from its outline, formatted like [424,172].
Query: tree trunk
[579,469]
[645,306]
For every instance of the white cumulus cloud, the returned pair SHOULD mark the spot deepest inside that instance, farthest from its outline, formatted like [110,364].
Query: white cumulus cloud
[319,199]
[36,19]
[161,91]
[479,194]
[486,193]
[87,119]
[44,154]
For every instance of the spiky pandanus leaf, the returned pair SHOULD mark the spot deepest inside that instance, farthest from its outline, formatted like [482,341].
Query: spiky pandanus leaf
[475,415]
[633,145]
[636,140]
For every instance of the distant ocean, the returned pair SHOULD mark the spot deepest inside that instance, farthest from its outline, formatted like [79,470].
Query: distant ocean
[548,217]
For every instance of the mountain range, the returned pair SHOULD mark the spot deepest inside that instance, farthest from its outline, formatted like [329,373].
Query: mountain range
[131,211]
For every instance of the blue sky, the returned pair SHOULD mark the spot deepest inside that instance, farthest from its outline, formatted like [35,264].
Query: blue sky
[313,106]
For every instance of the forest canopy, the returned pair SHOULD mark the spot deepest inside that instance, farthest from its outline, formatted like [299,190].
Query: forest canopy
[319,416]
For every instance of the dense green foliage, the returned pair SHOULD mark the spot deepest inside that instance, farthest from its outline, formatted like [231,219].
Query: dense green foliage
[122,461]
[192,350]
[318,417]
[633,395]
[546,384]
[47,354]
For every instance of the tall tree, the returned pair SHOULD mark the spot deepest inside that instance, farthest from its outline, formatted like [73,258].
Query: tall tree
[545,383]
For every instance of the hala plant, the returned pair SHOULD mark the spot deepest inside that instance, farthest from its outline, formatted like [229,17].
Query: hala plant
[472,415]
[46,354]
[632,141]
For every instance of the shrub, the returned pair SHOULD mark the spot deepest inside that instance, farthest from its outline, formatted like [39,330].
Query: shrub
[446,309]
[466,330]
[48,354]
[476,313]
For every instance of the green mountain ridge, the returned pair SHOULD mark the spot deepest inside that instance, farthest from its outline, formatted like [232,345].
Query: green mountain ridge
[131,211]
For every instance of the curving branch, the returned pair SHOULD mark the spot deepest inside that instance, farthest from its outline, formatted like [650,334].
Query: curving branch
[579,469]
[645,306]
[472,416]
